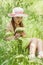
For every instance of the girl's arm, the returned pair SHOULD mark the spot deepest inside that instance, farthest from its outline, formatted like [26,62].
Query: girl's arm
[9,35]
[23,34]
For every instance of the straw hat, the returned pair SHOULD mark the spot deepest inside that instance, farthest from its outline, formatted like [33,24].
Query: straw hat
[17,12]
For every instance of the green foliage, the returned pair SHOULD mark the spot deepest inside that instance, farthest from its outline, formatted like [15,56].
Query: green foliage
[13,52]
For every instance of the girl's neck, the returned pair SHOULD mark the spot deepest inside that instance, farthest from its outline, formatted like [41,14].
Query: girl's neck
[17,25]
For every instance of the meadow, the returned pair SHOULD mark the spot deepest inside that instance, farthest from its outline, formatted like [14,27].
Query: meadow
[14,52]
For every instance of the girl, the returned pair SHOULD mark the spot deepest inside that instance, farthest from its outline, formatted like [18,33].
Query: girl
[17,28]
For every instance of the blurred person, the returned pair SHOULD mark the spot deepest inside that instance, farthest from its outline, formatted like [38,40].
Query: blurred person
[16,27]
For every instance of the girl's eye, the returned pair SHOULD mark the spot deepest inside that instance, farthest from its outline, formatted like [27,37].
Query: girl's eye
[18,17]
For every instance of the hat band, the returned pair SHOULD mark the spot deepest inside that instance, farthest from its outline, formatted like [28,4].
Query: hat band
[19,12]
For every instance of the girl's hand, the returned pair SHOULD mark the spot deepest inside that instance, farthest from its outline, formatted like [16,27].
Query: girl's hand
[23,34]
[17,35]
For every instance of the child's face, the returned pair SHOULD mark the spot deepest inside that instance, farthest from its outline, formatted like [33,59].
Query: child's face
[18,19]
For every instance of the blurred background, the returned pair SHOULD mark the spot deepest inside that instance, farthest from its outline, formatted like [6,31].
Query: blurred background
[33,24]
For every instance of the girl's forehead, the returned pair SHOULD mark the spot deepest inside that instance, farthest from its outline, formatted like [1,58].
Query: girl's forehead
[18,17]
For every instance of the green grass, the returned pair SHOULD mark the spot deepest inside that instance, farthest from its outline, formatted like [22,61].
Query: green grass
[13,52]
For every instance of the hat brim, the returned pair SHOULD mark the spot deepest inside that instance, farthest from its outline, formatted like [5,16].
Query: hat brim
[17,15]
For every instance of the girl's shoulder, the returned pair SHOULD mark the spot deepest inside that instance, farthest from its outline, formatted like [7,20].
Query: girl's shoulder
[9,26]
